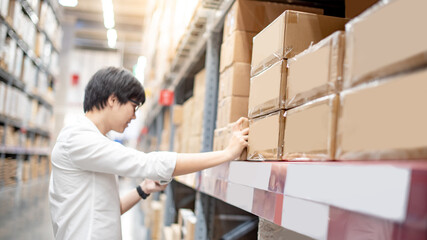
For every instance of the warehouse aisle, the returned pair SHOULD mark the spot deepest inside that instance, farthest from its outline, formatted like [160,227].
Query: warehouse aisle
[24,211]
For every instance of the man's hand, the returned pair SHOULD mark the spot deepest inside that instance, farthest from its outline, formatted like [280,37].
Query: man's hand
[239,139]
[150,186]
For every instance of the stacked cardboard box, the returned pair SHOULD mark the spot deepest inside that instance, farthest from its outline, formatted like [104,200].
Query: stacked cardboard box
[42,166]
[177,120]
[310,130]
[12,137]
[244,20]
[165,139]
[187,222]
[172,233]
[9,172]
[382,114]
[26,173]
[284,38]
[316,72]
[372,54]
[34,166]
[158,212]
[189,134]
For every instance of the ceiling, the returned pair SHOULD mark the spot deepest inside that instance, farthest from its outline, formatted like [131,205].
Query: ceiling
[90,31]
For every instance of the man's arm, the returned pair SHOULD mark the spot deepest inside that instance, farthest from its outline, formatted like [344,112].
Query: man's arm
[193,162]
[131,198]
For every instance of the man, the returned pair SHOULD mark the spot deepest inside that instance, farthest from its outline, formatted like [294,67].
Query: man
[83,189]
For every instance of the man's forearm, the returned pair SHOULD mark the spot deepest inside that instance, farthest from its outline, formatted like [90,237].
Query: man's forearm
[129,200]
[193,162]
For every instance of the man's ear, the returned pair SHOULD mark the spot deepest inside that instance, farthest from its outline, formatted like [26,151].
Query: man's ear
[111,100]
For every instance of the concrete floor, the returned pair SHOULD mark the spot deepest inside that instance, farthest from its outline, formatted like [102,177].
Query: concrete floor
[24,213]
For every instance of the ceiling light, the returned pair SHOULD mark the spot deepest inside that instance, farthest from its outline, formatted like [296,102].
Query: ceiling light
[69,3]
[108,12]
[112,37]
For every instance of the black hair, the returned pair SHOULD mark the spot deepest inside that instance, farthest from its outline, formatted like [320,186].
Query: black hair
[112,80]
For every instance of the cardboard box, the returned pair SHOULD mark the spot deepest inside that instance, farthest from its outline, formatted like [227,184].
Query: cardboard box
[267,90]
[374,50]
[230,109]
[310,130]
[288,35]
[384,119]
[316,72]
[266,137]
[234,81]
[197,122]
[177,113]
[187,222]
[237,48]
[199,87]
[356,7]
[253,16]
[176,231]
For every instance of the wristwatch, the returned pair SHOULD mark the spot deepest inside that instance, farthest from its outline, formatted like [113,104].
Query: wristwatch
[141,193]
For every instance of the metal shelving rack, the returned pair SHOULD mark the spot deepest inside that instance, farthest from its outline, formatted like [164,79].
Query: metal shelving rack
[21,153]
[341,199]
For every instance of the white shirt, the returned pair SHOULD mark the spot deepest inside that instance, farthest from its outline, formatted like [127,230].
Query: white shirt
[83,190]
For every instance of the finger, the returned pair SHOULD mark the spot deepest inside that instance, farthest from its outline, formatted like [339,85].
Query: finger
[246,137]
[245,131]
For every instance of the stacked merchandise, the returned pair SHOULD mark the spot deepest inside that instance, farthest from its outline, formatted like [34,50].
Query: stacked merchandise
[165,139]
[34,166]
[42,166]
[284,38]
[26,171]
[157,217]
[311,100]
[382,113]
[244,20]
[172,233]
[192,117]
[185,227]
[9,171]
[190,131]
[177,114]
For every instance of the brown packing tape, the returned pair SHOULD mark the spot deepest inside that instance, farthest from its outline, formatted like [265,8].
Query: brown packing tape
[310,130]
[265,108]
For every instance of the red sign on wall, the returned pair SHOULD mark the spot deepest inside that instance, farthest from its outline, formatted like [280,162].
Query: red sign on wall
[166,97]
[74,79]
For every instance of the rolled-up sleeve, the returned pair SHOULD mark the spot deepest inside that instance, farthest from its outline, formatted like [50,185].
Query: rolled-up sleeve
[94,152]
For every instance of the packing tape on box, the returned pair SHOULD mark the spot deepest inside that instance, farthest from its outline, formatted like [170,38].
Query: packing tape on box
[266,108]
[270,61]
[264,155]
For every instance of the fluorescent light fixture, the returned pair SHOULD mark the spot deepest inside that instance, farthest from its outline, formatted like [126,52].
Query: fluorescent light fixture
[69,3]
[108,12]
[112,37]
[139,68]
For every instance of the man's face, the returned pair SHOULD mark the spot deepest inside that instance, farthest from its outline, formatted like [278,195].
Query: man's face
[122,115]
